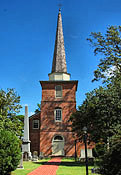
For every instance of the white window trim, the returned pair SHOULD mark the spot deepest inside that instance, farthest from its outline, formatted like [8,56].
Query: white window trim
[55,114]
[61,91]
[33,123]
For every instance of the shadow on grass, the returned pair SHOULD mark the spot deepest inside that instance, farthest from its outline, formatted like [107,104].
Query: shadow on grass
[61,163]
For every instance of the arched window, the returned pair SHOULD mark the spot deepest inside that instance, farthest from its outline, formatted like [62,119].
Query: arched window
[58,115]
[35,124]
[58,91]
[58,137]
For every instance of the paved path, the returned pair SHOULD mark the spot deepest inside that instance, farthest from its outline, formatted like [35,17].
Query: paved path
[49,168]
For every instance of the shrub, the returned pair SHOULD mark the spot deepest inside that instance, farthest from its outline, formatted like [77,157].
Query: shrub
[99,150]
[10,152]
[111,162]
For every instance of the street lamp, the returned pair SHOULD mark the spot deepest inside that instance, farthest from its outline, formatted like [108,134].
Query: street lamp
[75,142]
[75,150]
[85,142]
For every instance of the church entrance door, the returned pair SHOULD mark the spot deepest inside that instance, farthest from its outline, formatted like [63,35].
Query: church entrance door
[58,146]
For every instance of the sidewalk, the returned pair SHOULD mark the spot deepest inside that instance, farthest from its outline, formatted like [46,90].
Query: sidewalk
[49,168]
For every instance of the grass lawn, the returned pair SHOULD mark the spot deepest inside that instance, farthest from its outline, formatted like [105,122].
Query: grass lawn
[67,167]
[70,167]
[28,167]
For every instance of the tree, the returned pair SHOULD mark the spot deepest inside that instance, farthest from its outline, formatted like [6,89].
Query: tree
[38,108]
[100,113]
[101,110]
[20,119]
[9,107]
[10,152]
[109,46]
[111,160]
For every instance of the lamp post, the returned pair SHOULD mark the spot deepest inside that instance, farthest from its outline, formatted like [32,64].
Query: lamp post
[75,150]
[85,142]
[75,142]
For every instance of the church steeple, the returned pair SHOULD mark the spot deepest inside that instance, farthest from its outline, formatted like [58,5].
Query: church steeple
[59,60]
[59,68]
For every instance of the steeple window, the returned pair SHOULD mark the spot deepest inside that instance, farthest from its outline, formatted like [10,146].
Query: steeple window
[58,91]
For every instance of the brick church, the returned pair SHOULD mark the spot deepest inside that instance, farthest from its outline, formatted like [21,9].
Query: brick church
[49,130]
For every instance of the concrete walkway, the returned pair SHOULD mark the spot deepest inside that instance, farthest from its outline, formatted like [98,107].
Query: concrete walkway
[49,168]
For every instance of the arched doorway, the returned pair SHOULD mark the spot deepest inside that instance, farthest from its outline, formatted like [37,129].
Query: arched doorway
[58,146]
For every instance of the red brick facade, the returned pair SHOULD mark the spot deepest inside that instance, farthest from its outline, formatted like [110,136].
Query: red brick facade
[34,134]
[49,127]
[41,139]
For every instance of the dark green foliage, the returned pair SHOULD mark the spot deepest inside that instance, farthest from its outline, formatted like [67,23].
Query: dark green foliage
[100,113]
[109,47]
[9,107]
[38,108]
[101,110]
[99,150]
[111,161]
[10,152]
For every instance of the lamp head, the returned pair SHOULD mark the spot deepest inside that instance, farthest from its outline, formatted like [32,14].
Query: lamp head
[84,129]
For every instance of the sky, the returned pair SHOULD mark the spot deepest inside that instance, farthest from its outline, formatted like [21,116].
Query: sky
[27,37]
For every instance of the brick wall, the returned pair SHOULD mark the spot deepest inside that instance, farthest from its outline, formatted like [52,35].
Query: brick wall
[34,134]
[42,138]
[50,128]
[46,143]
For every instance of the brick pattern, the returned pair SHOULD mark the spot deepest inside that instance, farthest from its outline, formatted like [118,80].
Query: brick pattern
[68,94]
[49,168]
[41,139]
[50,128]
[34,134]
[46,137]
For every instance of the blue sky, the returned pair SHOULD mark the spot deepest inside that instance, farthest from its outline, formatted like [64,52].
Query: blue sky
[27,36]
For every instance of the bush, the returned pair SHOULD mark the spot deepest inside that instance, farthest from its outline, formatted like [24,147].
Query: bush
[99,150]
[10,152]
[111,162]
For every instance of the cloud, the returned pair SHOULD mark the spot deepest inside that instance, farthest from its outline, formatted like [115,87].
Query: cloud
[111,71]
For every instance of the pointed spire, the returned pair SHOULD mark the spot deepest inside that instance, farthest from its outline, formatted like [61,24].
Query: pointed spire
[59,60]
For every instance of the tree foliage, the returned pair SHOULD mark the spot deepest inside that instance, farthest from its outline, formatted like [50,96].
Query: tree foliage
[111,160]
[9,107]
[101,110]
[38,109]
[100,113]
[109,47]
[10,152]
